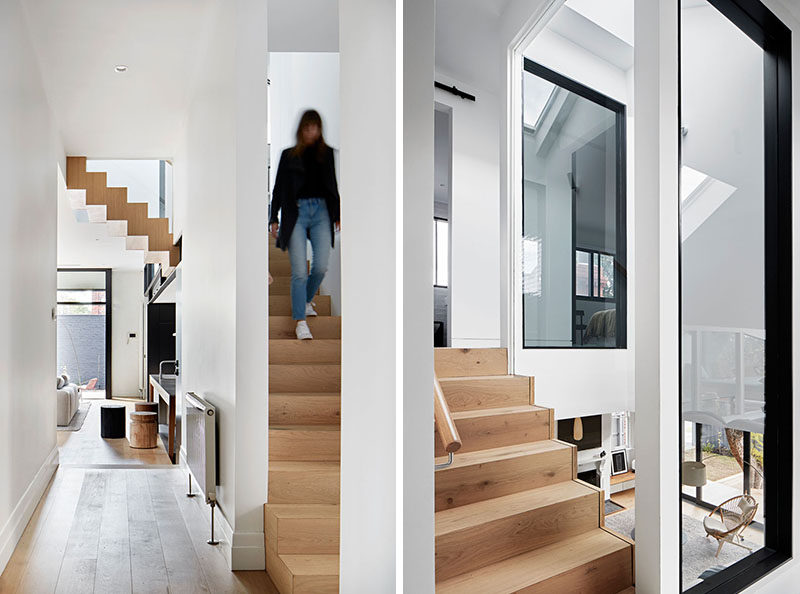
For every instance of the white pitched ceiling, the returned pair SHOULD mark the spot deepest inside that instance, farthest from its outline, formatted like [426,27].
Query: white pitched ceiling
[105,114]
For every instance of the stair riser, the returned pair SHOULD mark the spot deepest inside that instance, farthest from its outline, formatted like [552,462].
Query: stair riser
[281,305]
[499,430]
[290,409]
[305,378]
[305,351]
[283,328]
[605,575]
[481,393]
[482,545]
[281,285]
[319,486]
[305,536]
[468,484]
[470,362]
[292,444]
[279,264]
[298,584]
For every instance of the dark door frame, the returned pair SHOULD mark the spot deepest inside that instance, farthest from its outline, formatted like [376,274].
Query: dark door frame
[775,38]
[621,255]
[109,316]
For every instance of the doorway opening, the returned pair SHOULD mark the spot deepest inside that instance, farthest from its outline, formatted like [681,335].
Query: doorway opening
[83,331]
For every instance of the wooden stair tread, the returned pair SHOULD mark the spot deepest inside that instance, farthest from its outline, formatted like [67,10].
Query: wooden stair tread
[306,565]
[461,378]
[535,566]
[492,412]
[305,428]
[504,453]
[481,512]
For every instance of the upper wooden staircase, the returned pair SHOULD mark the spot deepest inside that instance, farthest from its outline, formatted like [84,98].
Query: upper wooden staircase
[511,515]
[301,518]
[124,219]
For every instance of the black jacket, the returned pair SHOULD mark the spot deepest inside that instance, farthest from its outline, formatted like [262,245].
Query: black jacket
[288,182]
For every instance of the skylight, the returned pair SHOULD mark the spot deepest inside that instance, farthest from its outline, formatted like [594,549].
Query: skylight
[537,93]
[691,179]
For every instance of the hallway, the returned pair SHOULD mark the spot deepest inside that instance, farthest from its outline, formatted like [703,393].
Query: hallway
[116,519]
[119,530]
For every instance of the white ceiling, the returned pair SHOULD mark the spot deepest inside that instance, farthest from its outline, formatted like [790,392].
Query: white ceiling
[303,25]
[104,114]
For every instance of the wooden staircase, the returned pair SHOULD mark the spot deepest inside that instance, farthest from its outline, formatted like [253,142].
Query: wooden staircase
[301,518]
[511,515]
[124,219]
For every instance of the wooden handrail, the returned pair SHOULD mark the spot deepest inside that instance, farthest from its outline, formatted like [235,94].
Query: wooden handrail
[448,432]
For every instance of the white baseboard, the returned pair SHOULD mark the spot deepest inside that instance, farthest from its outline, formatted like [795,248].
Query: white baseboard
[12,531]
[246,551]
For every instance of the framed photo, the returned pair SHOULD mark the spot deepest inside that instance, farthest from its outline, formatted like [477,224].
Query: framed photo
[619,462]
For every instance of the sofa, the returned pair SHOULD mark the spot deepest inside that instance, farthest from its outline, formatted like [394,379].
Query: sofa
[68,399]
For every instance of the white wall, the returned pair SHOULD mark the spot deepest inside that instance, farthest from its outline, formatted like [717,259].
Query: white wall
[224,282]
[417,355]
[371,221]
[474,223]
[300,81]
[127,287]
[29,155]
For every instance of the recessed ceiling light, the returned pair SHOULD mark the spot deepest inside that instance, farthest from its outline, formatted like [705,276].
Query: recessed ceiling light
[120,68]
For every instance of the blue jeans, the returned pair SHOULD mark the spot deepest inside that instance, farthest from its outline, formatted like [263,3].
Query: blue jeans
[314,223]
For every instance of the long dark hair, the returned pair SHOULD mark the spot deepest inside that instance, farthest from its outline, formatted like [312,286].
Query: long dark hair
[310,117]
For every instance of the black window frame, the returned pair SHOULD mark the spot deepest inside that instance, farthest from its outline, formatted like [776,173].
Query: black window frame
[759,24]
[620,258]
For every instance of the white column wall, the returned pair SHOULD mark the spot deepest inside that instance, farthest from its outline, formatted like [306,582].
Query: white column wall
[369,165]
[221,192]
[656,292]
[418,188]
[127,287]
[30,153]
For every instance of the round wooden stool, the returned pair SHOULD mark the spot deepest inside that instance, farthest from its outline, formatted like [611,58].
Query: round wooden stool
[144,429]
[147,407]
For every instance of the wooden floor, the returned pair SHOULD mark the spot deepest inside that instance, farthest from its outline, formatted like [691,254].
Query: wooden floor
[120,522]
[86,448]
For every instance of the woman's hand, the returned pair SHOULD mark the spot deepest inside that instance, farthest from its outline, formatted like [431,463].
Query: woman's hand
[273,230]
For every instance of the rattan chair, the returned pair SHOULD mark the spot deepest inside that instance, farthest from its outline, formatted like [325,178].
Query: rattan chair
[735,515]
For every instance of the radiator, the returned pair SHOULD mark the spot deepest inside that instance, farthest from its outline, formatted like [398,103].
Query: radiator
[201,444]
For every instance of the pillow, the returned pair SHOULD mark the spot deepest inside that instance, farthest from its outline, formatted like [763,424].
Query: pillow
[65,377]
[746,507]
[60,383]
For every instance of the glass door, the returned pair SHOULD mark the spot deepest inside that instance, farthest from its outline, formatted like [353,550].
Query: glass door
[83,330]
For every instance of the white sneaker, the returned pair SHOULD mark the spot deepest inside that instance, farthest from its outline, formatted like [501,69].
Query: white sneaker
[302,331]
[310,309]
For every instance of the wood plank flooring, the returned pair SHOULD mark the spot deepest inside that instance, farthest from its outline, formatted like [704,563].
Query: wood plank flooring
[117,520]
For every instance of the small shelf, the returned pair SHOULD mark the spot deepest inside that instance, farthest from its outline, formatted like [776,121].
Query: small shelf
[622,478]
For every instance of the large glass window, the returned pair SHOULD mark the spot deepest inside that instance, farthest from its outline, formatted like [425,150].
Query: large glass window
[573,235]
[735,296]
[83,324]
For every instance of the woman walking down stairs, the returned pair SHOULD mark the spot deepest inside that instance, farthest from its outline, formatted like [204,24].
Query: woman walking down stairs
[301,520]
[511,515]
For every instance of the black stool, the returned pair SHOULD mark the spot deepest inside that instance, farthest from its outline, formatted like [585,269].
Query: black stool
[112,421]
